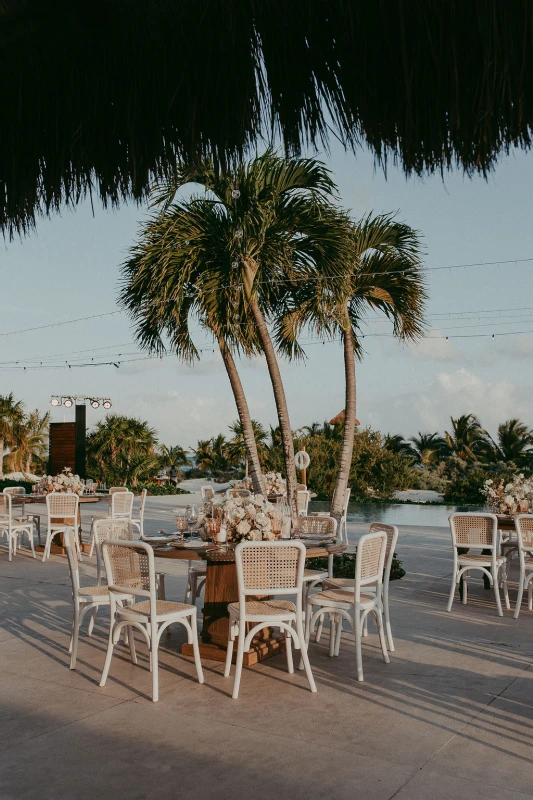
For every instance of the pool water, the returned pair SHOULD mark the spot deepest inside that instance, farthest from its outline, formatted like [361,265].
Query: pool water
[397,513]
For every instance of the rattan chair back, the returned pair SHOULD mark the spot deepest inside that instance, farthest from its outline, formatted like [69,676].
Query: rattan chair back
[269,567]
[302,501]
[238,493]
[62,506]
[129,568]
[110,529]
[69,543]
[524,531]
[316,526]
[474,530]
[115,489]
[370,561]
[14,490]
[122,504]
[392,538]
[208,493]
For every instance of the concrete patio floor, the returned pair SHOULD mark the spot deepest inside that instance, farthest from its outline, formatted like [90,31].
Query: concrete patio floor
[449,717]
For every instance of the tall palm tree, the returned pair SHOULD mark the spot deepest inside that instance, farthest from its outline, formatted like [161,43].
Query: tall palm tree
[11,417]
[397,444]
[236,447]
[515,441]
[232,249]
[175,456]
[429,448]
[123,448]
[30,441]
[212,455]
[381,273]
[468,440]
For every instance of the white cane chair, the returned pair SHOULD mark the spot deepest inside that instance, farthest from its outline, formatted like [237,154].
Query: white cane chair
[267,568]
[524,531]
[116,489]
[130,569]
[316,526]
[343,525]
[139,521]
[478,532]
[121,508]
[20,491]
[208,493]
[302,502]
[348,583]
[14,527]
[301,487]
[84,598]
[61,513]
[354,605]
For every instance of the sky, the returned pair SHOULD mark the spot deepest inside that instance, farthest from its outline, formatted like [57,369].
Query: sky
[70,268]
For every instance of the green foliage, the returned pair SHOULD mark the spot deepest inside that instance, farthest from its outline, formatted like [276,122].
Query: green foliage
[466,484]
[122,450]
[5,484]
[155,489]
[428,479]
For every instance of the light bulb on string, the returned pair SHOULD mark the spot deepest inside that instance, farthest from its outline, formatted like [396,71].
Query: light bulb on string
[239,233]
[235,194]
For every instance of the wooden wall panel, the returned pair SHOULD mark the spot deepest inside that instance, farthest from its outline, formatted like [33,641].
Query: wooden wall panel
[62,447]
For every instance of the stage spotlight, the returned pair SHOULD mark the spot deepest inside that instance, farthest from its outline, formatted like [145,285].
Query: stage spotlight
[107,404]
[95,404]
[55,401]
[68,402]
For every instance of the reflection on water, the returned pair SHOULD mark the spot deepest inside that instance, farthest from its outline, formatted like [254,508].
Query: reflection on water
[397,513]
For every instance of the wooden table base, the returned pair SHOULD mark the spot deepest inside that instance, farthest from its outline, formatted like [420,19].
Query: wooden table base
[264,648]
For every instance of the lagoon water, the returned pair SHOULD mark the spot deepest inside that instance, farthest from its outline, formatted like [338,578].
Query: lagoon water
[397,513]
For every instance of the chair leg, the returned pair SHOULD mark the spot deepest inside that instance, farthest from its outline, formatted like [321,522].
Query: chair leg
[109,655]
[464,598]
[505,589]
[229,651]
[388,629]
[196,649]
[161,593]
[530,596]
[92,620]
[381,632]
[520,593]
[288,651]
[75,637]
[238,663]
[338,635]
[452,590]
[319,629]
[131,642]
[188,588]
[332,633]
[496,594]
[305,657]
[357,636]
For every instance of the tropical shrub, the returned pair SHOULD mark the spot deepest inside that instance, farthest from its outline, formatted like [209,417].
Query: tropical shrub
[155,489]
[344,566]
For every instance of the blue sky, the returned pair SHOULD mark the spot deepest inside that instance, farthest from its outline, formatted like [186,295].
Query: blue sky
[69,268]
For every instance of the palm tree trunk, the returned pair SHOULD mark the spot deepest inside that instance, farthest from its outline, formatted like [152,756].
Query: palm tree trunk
[1,457]
[349,425]
[244,416]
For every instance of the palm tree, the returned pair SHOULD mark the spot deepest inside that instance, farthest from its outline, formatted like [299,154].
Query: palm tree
[236,447]
[382,274]
[515,441]
[397,444]
[468,440]
[123,449]
[173,456]
[11,417]
[428,447]
[30,442]
[232,249]
[212,455]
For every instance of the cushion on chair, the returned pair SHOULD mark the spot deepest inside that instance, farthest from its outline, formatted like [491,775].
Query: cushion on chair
[266,608]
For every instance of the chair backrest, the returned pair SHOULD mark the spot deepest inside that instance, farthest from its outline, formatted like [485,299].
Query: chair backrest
[6,507]
[14,490]
[474,530]
[115,489]
[524,532]
[208,493]
[301,487]
[142,504]
[63,506]
[238,493]
[110,529]
[392,537]
[269,568]
[69,543]
[370,561]
[302,502]
[316,526]
[122,504]
[347,494]
[130,569]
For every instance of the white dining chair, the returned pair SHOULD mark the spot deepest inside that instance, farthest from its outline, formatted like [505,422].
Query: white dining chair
[121,508]
[238,493]
[319,527]
[61,513]
[208,493]
[14,526]
[477,532]
[130,569]
[302,502]
[139,521]
[268,568]
[524,532]
[366,597]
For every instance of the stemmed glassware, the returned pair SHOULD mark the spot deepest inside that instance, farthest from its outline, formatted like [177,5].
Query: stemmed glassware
[213,528]
[182,525]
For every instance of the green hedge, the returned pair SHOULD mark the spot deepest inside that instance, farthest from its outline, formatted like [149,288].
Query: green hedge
[154,489]
[5,484]
[344,566]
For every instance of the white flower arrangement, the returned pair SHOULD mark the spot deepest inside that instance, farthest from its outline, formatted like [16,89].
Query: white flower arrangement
[66,481]
[274,483]
[252,518]
[510,498]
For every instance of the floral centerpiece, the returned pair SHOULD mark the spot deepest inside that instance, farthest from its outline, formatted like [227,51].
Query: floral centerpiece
[66,481]
[252,518]
[514,497]
[274,483]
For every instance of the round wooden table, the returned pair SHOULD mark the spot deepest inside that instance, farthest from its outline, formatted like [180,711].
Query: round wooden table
[220,590]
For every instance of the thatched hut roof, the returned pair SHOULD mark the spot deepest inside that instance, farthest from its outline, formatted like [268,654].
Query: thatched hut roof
[98,96]
[339,419]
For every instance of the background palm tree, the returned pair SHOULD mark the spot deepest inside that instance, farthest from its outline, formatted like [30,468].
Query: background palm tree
[236,447]
[429,448]
[30,442]
[515,442]
[175,456]
[212,456]
[122,450]
[265,223]
[11,418]
[397,444]
[468,440]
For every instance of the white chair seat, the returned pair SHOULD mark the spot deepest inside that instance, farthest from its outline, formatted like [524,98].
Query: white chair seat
[481,560]
[93,591]
[264,608]
[164,609]
[315,574]
[337,596]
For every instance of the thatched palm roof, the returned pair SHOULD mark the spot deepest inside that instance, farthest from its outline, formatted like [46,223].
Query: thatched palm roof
[99,95]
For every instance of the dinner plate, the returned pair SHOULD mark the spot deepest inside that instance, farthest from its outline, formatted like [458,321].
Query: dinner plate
[169,537]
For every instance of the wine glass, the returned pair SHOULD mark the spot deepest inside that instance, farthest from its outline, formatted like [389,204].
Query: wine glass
[182,525]
[213,529]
